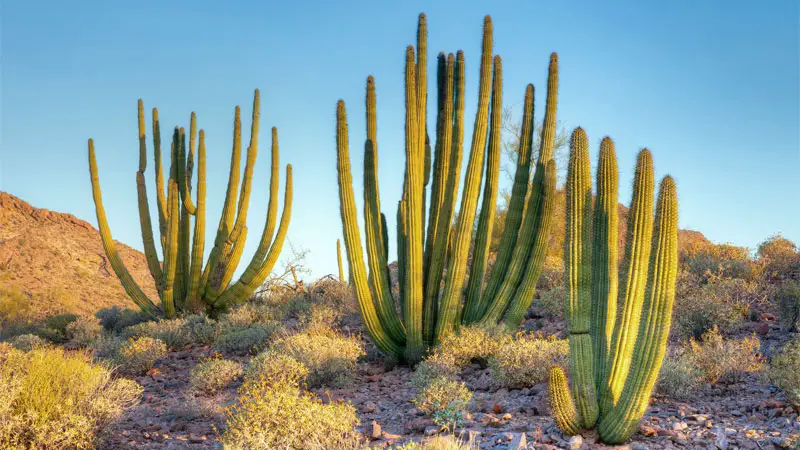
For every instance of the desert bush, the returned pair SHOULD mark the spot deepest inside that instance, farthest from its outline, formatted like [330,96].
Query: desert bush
[247,315]
[456,351]
[319,316]
[175,332]
[27,342]
[526,360]
[781,257]
[275,368]
[721,302]
[247,340]
[552,301]
[552,273]
[784,370]
[203,329]
[282,416]
[214,374]
[51,399]
[54,328]
[719,358]
[788,300]
[329,356]
[15,309]
[138,355]
[84,331]
[445,400]
[116,318]
[107,346]
[705,259]
[679,378]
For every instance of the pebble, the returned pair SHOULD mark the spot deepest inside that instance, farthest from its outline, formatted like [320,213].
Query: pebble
[575,442]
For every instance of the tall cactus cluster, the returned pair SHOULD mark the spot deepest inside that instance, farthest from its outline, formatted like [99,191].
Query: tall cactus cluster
[433,261]
[183,281]
[616,350]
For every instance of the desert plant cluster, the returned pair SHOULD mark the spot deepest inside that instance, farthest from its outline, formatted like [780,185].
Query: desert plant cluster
[473,338]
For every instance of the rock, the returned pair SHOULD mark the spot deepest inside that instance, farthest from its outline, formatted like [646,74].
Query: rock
[679,426]
[762,328]
[721,442]
[374,430]
[639,446]
[518,442]
[781,442]
[497,408]
[195,439]
[575,442]
[369,407]
[431,430]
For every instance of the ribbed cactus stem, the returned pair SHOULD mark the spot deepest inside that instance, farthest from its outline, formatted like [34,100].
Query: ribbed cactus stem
[339,259]
[451,298]
[144,210]
[637,257]
[161,198]
[577,264]
[489,202]
[194,302]
[171,252]
[654,327]
[561,405]
[604,258]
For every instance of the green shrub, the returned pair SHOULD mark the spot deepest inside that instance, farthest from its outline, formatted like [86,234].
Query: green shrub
[138,355]
[116,318]
[784,370]
[718,358]
[107,346]
[552,301]
[175,333]
[246,315]
[721,302]
[678,379]
[329,356]
[781,257]
[788,300]
[210,376]
[526,361]
[275,368]
[247,340]
[84,331]
[456,351]
[15,310]
[51,399]
[445,400]
[27,342]
[54,328]
[705,259]
[204,331]
[284,417]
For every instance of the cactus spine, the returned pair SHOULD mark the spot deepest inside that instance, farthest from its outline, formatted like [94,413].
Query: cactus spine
[182,281]
[614,358]
[433,251]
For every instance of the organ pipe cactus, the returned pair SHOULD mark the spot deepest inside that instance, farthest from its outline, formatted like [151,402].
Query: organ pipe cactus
[433,251]
[615,351]
[182,280]
[339,259]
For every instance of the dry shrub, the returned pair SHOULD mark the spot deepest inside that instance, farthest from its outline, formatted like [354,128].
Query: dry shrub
[788,300]
[329,355]
[526,360]
[175,332]
[138,355]
[781,258]
[240,341]
[115,318]
[705,259]
[282,416]
[678,379]
[275,368]
[456,351]
[444,399]
[721,359]
[52,399]
[26,342]
[784,370]
[212,375]
[84,331]
[552,301]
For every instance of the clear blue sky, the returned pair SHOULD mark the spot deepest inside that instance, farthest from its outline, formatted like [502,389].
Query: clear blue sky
[711,87]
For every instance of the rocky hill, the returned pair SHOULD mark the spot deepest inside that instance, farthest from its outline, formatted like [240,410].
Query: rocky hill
[52,262]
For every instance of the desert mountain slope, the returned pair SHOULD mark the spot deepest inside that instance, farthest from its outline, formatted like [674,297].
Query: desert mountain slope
[57,261]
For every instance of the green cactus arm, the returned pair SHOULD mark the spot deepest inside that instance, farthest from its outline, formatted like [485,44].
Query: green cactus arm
[376,257]
[577,269]
[233,260]
[412,301]
[561,405]
[339,259]
[401,254]
[226,219]
[385,237]
[451,298]
[604,258]
[194,301]
[171,252]
[483,235]
[161,198]
[128,283]
[549,124]
[144,208]
[255,274]
[211,296]
[527,287]
[352,241]
[624,418]
[190,207]
[519,192]
[184,234]
[440,204]
[637,255]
